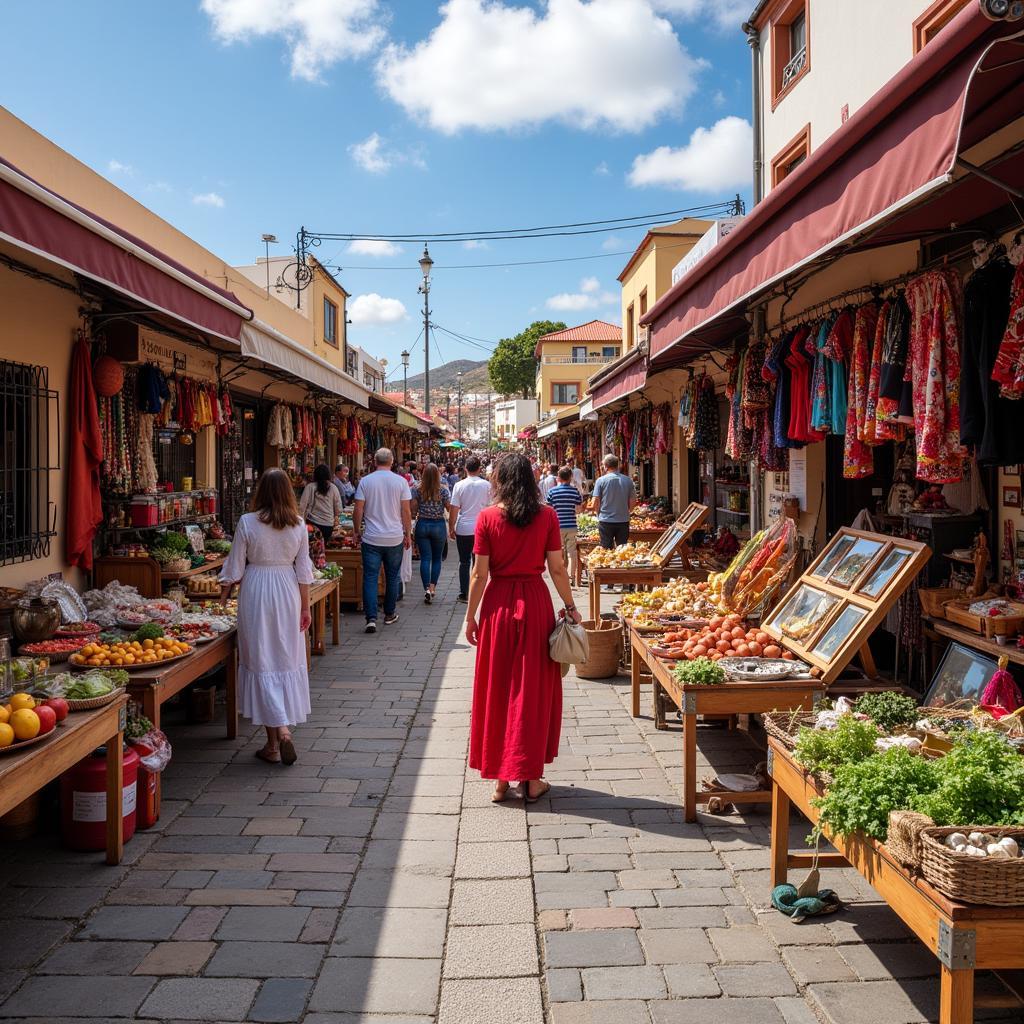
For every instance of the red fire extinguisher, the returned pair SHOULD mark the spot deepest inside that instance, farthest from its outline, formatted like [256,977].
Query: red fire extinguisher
[83,800]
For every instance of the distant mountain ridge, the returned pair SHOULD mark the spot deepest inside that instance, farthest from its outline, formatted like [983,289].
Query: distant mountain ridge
[474,377]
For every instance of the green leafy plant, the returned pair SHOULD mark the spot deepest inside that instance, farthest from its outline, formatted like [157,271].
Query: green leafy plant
[218,547]
[699,672]
[174,542]
[136,726]
[889,710]
[825,750]
[979,782]
[864,792]
[512,368]
[149,631]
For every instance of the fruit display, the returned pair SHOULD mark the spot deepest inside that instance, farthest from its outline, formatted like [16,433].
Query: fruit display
[622,557]
[192,632]
[723,636]
[53,647]
[676,597]
[130,652]
[214,609]
[22,719]
[586,526]
[646,523]
[74,629]
[23,669]
[757,572]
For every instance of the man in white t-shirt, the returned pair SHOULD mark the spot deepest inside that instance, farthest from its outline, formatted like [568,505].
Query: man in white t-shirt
[546,482]
[383,525]
[469,498]
[577,477]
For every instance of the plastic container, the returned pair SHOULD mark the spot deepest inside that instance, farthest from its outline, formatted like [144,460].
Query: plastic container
[144,512]
[83,800]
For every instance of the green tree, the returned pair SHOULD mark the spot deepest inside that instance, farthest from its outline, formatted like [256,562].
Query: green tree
[513,367]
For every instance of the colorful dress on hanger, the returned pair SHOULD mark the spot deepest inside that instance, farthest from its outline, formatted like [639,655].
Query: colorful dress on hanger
[893,371]
[933,369]
[1008,371]
[800,368]
[821,397]
[858,460]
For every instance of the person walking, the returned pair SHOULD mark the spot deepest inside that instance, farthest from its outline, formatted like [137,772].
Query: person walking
[430,502]
[547,481]
[469,498]
[451,478]
[566,500]
[578,480]
[320,504]
[382,524]
[270,558]
[516,715]
[614,497]
[346,489]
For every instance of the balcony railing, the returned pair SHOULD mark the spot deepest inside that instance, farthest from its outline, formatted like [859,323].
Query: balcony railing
[794,67]
[563,360]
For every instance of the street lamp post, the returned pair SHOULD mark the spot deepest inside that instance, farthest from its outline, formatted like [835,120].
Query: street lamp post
[267,241]
[405,374]
[426,263]
[458,378]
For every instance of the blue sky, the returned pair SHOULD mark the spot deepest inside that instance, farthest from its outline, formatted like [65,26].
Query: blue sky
[231,118]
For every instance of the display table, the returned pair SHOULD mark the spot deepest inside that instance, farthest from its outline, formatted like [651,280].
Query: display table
[723,699]
[350,589]
[82,732]
[965,937]
[321,594]
[154,686]
[971,639]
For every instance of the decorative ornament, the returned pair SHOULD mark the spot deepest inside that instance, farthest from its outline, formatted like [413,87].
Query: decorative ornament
[107,376]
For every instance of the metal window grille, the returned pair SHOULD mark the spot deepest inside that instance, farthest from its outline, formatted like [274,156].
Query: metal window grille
[794,67]
[174,460]
[28,516]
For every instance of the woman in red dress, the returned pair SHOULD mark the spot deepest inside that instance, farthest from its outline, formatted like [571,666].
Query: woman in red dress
[517,691]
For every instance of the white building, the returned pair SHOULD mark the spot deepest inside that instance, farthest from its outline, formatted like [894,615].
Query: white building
[817,61]
[370,372]
[512,415]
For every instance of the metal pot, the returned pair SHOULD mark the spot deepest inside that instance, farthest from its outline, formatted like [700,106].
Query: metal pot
[34,619]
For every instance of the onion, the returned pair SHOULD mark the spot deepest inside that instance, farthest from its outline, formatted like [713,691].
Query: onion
[955,839]
[772,651]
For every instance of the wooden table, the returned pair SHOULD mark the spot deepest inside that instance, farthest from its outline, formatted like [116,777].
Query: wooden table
[156,685]
[723,699]
[971,639]
[645,578]
[82,732]
[350,586]
[321,594]
[965,937]
[583,548]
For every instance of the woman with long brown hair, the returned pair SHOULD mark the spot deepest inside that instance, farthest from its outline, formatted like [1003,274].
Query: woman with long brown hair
[517,690]
[270,558]
[430,500]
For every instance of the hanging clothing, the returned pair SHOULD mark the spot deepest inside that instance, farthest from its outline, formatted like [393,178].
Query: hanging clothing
[989,423]
[858,461]
[894,361]
[934,372]
[837,349]
[84,511]
[1008,372]
[800,367]
[707,435]
[775,370]
[821,397]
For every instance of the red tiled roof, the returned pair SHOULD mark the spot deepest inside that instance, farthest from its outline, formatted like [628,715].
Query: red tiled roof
[594,330]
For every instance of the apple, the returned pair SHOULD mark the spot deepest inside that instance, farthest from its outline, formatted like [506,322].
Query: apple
[59,705]
[47,718]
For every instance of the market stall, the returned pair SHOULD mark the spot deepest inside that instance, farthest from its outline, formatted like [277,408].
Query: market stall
[324,595]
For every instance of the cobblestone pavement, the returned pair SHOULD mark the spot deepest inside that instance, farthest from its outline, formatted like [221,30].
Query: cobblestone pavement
[374,881]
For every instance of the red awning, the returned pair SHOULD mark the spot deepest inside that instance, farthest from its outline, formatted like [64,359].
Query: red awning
[629,379]
[868,185]
[40,221]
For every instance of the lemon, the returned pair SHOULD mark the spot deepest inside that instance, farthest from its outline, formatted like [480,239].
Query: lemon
[6,735]
[25,724]
[22,700]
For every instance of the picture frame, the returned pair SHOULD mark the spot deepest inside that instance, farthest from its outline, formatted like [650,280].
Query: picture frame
[1011,495]
[962,674]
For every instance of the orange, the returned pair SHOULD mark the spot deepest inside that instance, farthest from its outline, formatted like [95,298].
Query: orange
[5,715]
[6,735]
[25,723]
[22,700]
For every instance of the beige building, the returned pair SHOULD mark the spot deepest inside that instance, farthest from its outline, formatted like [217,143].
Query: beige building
[511,415]
[565,359]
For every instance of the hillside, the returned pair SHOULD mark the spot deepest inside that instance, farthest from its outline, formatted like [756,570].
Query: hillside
[474,376]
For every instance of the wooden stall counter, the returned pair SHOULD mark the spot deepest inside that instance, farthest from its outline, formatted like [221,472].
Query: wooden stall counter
[964,937]
[22,774]
[322,594]
[351,583]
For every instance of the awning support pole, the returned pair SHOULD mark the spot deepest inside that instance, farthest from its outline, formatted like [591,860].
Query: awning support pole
[990,178]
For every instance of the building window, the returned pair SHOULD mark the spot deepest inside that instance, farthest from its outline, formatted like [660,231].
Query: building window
[630,327]
[791,52]
[565,394]
[351,365]
[579,353]
[643,303]
[792,155]
[934,20]
[27,513]
[610,352]
[330,323]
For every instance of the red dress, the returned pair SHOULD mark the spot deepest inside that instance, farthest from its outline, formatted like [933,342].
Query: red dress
[517,690]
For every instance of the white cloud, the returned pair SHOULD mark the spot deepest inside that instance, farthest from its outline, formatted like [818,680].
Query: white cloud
[160,186]
[475,243]
[375,156]
[714,159]
[490,65]
[373,310]
[602,169]
[116,167]
[209,199]
[589,296]
[612,243]
[724,14]
[373,247]
[318,33]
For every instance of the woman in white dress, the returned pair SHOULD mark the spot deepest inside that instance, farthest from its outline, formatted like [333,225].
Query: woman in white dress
[270,557]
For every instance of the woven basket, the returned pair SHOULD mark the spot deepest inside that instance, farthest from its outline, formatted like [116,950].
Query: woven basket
[178,565]
[992,882]
[904,839]
[91,703]
[785,725]
[605,649]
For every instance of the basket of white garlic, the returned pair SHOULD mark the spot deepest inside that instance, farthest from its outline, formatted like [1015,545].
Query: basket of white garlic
[975,864]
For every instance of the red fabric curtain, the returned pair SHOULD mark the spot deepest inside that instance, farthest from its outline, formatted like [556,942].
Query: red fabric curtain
[84,511]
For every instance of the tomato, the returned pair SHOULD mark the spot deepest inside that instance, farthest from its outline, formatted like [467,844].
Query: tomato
[47,719]
[59,706]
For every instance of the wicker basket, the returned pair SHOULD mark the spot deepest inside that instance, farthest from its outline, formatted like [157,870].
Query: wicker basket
[904,839]
[91,703]
[785,725]
[177,565]
[605,649]
[989,881]
[933,600]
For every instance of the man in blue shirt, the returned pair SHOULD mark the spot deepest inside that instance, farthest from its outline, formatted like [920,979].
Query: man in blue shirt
[614,498]
[566,500]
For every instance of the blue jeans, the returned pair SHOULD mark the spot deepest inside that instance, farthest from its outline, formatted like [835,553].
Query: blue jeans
[430,537]
[374,557]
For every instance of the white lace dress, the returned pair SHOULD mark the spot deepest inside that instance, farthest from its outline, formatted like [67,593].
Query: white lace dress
[273,686]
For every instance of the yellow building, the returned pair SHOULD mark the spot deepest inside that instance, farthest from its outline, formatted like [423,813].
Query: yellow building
[648,274]
[565,359]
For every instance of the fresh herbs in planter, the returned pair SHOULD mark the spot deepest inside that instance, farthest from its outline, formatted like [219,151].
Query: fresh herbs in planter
[825,750]
[863,792]
[890,711]
[699,672]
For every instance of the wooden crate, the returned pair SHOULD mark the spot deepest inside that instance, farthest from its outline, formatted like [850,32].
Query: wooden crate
[987,625]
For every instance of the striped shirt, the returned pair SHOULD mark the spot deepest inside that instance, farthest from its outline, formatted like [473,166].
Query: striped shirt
[564,499]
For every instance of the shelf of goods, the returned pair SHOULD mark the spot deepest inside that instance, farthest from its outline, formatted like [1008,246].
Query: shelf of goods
[965,937]
[143,573]
[823,622]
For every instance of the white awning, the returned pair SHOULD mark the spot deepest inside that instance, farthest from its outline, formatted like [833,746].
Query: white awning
[548,429]
[270,346]
[587,409]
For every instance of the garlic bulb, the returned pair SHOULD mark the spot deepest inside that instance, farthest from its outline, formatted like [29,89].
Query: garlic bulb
[1009,844]
[955,840]
[974,851]
[997,852]
[978,839]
